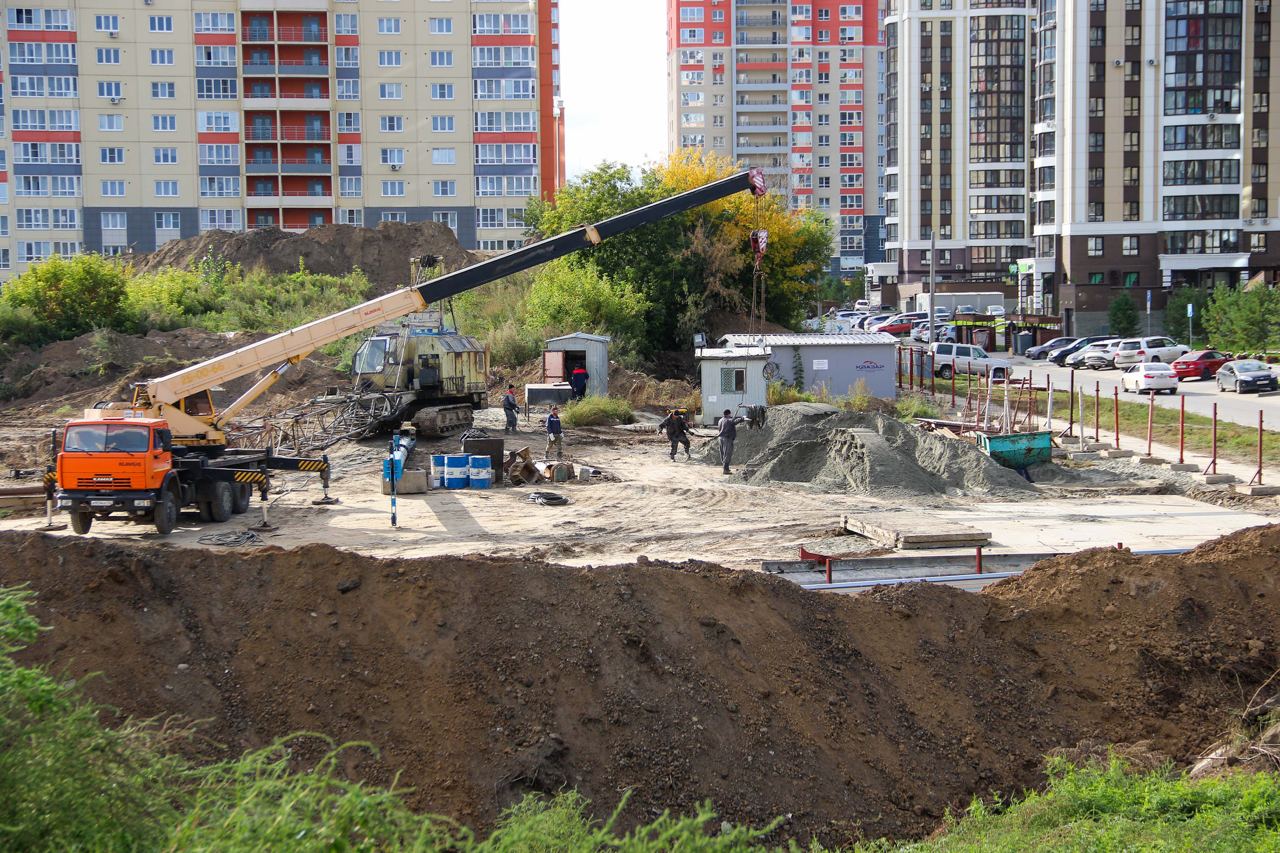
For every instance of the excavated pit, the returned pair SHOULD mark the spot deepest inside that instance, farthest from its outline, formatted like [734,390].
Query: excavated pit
[481,679]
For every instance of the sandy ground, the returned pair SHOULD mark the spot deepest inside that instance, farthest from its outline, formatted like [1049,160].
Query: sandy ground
[662,510]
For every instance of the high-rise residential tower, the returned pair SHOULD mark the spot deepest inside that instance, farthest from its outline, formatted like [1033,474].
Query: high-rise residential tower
[793,87]
[126,127]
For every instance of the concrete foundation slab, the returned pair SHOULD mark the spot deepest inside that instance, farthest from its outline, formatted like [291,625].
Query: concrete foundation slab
[1255,490]
[1181,466]
[1082,455]
[1150,460]
[1099,446]
[1218,479]
[914,531]
[1117,454]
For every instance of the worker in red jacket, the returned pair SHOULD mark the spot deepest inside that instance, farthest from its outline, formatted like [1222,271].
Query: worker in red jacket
[578,381]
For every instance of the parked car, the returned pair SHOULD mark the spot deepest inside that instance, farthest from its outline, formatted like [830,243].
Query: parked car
[1246,375]
[946,333]
[1149,377]
[918,329]
[901,324]
[967,309]
[1103,358]
[1042,351]
[862,305]
[952,358]
[1076,359]
[1059,356]
[870,320]
[1201,364]
[1139,350]
[995,310]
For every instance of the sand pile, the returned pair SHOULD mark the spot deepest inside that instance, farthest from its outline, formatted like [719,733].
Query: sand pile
[831,449]
[481,679]
[383,252]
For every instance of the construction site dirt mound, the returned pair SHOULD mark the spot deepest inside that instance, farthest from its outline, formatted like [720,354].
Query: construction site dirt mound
[383,252]
[482,679]
[831,449]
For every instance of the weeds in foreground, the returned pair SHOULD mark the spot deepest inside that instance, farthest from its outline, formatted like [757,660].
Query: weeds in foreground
[597,411]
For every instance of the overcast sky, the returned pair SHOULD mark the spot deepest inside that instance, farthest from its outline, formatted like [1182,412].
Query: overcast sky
[613,81]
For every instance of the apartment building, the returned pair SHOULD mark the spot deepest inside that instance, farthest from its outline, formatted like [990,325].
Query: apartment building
[957,90]
[793,88]
[125,127]
[1150,160]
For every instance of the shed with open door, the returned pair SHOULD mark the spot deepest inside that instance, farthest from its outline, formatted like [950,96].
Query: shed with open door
[567,352]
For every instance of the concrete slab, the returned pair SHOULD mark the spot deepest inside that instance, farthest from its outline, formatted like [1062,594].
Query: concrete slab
[1182,466]
[1150,460]
[1255,490]
[1218,479]
[913,531]
[1099,445]
[1117,454]
[1082,455]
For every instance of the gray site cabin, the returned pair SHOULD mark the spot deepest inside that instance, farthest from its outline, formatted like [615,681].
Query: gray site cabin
[732,378]
[579,349]
[834,362]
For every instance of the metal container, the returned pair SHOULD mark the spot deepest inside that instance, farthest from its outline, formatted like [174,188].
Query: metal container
[1019,450]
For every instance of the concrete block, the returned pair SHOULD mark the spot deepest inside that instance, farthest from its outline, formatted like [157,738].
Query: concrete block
[1082,455]
[1150,460]
[1255,490]
[1094,446]
[412,482]
[1117,454]
[1181,466]
[1217,479]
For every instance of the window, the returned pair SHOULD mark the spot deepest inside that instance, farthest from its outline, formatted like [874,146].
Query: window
[26,53]
[388,59]
[487,90]
[161,23]
[445,188]
[490,217]
[168,220]
[522,185]
[1131,211]
[164,156]
[733,380]
[217,122]
[392,156]
[110,156]
[216,22]
[351,186]
[444,156]
[166,189]
[1257,242]
[164,123]
[212,55]
[24,19]
[347,57]
[392,189]
[394,216]
[108,56]
[218,89]
[442,91]
[441,58]
[348,90]
[219,187]
[440,26]
[31,219]
[220,219]
[219,155]
[1093,246]
[346,24]
[390,91]
[113,189]
[161,56]
[1258,208]
[391,124]
[107,23]
[110,122]
[442,124]
[388,26]
[109,89]
[348,122]
[524,153]
[163,91]
[113,220]
[488,185]
[1129,245]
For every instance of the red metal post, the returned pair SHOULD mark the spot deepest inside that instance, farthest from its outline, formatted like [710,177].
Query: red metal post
[1097,410]
[1151,418]
[1257,477]
[1116,411]
[1212,467]
[1071,405]
[1182,427]
[979,561]
[828,570]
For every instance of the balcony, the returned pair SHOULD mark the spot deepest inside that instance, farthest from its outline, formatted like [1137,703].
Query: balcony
[289,198]
[286,134]
[288,166]
[305,67]
[774,40]
[775,20]
[281,34]
[287,101]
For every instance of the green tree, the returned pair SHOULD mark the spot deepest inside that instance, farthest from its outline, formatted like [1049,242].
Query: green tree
[567,298]
[1175,313]
[63,297]
[1123,316]
[1242,320]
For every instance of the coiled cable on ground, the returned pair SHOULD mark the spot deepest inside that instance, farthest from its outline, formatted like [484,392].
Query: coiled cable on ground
[547,499]
[237,539]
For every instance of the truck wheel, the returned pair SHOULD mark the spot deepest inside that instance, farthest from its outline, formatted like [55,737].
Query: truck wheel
[81,522]
[945,371]
[206,510]
[243,495]
[223,503]
[166,513]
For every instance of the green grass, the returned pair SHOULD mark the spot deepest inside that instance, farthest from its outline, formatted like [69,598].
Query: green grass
[597,411]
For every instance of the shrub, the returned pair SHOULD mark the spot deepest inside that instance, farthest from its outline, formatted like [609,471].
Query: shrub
[66,297]
[1123,316]
[912,406]
[596,411]
[567,298]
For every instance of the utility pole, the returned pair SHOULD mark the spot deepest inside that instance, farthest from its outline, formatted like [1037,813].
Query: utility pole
[933,274]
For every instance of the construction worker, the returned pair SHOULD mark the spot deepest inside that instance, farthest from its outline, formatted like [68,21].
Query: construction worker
[677,432]
[578,382]
[510,408]
[728,433]
[555,434]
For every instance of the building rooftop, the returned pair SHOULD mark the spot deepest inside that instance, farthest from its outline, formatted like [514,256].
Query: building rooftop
[799,340]
[582,336]
[733,352]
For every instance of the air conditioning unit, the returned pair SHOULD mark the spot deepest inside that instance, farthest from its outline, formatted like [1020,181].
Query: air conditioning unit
[1117,63]
[115,100]
[395,167]
[113,34]
[1213,116]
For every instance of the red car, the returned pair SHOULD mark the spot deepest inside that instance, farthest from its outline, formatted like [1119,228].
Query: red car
[1202,364]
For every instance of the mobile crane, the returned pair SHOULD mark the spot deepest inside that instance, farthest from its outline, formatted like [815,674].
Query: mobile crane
[166,448]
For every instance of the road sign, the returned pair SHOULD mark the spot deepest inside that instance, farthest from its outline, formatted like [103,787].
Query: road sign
[1191,309]
[1149,302]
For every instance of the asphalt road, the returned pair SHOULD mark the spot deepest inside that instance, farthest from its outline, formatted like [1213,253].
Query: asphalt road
[1200,394]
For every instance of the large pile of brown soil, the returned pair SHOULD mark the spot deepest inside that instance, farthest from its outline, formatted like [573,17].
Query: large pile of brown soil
[383,252]
[482,679]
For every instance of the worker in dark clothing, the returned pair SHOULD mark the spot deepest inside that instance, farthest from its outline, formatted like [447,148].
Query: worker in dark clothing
[677,432]
[578,382]
[510,408]
[555,434]
[728,433]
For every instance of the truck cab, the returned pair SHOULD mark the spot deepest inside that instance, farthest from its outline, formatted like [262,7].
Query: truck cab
[114,465]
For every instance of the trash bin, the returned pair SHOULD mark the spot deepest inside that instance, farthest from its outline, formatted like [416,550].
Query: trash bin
[1022,342]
